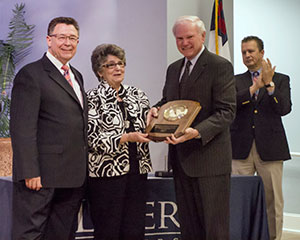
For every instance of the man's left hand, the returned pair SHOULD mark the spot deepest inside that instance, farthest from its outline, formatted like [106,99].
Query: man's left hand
[267,71]
[189,133]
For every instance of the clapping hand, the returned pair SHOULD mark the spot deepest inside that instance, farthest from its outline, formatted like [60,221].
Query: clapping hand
[267,71]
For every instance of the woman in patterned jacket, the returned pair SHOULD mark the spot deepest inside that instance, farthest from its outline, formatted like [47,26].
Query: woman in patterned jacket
[119,158]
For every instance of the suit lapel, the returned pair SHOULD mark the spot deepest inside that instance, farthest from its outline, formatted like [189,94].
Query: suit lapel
[56,76]
[80,82]
[247,80]
[199,67]
[261,93]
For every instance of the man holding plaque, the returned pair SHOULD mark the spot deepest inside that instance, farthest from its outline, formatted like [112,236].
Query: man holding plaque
[201,157]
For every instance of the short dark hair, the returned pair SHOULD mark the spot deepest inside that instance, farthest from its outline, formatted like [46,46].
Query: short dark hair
[259,42]
[65,20]
[100,53]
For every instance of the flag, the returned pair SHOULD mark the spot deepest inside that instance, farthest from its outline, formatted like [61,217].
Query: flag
[218,39]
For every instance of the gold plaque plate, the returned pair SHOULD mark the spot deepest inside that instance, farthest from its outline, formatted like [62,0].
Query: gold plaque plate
[175,112]
[173,118]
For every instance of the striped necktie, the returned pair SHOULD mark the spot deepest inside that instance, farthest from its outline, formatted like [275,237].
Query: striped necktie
[254,77]
[67,74]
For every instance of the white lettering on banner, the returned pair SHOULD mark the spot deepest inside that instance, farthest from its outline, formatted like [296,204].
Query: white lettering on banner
[163,214]
[176,238]
[161,222]
[150,215]
[80,217]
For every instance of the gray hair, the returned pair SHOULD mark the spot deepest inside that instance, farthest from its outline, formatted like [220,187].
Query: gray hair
[100,53]
[192,19]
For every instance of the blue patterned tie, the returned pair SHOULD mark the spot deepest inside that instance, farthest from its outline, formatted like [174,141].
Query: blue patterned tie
[255,75]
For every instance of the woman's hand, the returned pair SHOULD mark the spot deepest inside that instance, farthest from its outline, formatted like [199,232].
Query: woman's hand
[135,137]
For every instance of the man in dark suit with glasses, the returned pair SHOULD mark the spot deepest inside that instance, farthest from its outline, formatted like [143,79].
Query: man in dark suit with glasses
[48,125]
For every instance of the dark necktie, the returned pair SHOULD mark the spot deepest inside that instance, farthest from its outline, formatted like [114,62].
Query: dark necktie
[184,79]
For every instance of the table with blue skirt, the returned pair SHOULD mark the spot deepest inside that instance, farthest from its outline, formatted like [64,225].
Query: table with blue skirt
[248,218]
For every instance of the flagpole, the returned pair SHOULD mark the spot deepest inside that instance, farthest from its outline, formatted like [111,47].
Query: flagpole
[218,39]
[216,26]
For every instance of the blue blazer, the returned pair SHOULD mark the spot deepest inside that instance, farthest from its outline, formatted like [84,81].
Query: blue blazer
[260,119]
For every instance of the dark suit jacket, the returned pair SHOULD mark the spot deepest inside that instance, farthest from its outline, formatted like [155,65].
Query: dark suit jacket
[261,119]
[48,126]
[211,83]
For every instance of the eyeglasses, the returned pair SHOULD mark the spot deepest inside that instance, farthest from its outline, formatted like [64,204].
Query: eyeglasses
[62,38]
[114,65]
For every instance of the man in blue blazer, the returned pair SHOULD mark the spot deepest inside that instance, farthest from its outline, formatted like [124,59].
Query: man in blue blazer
[48,125]
[201,158]
[259,143]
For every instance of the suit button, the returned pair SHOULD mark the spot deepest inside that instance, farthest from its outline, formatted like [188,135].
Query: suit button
[255,111]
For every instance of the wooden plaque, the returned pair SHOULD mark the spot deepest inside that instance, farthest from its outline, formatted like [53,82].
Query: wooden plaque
[174,117]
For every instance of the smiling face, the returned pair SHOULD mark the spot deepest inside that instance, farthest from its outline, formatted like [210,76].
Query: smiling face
[63,48]
[113,75]
[188,39]
[252,56]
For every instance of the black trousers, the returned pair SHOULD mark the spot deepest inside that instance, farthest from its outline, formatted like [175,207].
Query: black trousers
[118,206]
[203,205]
[47,214]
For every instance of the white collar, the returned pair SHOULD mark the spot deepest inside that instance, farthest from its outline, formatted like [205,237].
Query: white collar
[195,59]
[55,61]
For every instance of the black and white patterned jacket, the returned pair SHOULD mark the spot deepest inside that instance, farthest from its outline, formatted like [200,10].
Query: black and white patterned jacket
[107,157]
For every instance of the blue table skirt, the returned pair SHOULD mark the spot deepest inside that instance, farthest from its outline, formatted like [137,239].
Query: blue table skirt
[248,219]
